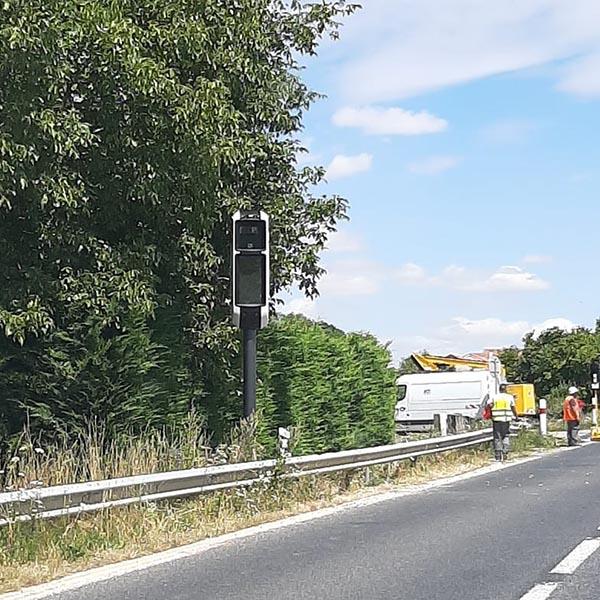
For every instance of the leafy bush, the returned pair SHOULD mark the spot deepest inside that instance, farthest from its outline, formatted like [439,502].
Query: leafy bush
[337,390]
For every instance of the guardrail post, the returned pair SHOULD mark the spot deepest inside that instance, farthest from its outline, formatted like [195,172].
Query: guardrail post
[441,421]
[78,498]
[284,436]
[543,417]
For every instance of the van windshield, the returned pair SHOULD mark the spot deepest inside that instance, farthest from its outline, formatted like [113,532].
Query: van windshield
[401,392]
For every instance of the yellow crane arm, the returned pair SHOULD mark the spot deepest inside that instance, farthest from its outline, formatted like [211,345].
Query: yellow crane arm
[444,363]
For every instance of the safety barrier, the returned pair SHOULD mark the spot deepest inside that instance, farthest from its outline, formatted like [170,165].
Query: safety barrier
[78,498]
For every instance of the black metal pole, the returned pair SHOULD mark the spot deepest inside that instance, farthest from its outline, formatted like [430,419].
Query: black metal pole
[249,337]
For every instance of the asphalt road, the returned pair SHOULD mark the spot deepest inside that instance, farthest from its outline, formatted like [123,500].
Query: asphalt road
[492,537]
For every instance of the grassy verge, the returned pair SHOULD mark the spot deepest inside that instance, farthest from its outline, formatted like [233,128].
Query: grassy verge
[93,454]
[32,553]
[527,441]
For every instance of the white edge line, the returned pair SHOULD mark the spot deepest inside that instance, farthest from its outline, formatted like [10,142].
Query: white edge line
[540,591]
[570,563]
[111,571]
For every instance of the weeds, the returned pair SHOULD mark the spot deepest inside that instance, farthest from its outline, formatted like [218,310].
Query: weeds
[34,552]
[90,455]
[39,551]
[528,440]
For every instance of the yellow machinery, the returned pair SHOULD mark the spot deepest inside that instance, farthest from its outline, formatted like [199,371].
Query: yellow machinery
[427,362]
[524,398]
[523,392]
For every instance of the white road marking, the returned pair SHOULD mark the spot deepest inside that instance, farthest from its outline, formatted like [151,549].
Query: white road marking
[569,564]
[99,574]
[540,591]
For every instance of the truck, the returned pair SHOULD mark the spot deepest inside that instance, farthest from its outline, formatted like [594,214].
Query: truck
[453,385]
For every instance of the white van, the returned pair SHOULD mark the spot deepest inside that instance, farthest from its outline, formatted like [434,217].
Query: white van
[422,395]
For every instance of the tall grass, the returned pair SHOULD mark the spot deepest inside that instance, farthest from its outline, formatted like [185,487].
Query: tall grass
[93,454]
[38,551]
[34,552]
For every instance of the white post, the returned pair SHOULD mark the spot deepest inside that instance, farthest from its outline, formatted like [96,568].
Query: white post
[595,388]
[543,417]
[284,441]
[443,424]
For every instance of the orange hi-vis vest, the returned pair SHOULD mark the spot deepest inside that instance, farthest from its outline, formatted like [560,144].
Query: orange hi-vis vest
[570,409]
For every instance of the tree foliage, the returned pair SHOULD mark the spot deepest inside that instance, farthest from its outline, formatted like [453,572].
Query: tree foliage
[554,360]
[338,390]
[130,131]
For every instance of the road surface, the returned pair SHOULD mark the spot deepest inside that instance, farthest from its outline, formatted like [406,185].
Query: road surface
[497,536]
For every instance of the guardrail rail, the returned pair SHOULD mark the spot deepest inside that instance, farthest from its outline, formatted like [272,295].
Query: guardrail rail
[78,498]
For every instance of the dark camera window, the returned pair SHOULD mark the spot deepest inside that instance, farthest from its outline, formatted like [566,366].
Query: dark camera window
[250,235]
[250,285]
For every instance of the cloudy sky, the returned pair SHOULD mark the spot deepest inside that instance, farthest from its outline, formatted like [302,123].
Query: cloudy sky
[464,134]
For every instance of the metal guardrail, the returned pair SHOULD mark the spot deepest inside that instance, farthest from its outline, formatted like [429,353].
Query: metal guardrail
[78,498]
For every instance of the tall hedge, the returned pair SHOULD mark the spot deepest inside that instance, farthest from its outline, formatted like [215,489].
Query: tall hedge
[336,389]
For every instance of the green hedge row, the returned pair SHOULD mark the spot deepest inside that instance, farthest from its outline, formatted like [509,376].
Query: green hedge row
[336,389]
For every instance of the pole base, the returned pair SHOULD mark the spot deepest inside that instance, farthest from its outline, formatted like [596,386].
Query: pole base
[595,435]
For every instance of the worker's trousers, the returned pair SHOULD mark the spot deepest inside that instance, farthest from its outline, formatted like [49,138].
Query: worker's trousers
[501,439]
[572,433]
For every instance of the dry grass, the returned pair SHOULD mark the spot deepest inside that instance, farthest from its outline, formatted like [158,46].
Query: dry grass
[32,553]
[92,456]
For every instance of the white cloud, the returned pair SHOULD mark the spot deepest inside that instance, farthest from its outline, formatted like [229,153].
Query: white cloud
[490,328]
[559,322]
[345,166]
[299,306]
[582,77]
[505,279]
[346,284]
[536,259]
[508,131]
[433,165]
[464,335]
[454,272]
[402,346]
[351,278]
[389,121]
[344,242]
[307,156]
[411,273]
[509,279]
[402,48]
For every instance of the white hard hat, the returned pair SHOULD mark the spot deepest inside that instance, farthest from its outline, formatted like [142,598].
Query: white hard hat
[573,390]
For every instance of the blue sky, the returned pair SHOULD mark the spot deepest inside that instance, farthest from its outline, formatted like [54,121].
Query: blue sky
[464,135]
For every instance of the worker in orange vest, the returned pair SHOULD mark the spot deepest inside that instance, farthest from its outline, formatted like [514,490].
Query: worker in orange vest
[572,416]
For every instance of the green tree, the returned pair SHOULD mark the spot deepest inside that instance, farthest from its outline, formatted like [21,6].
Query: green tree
[129,132]
[554,359]
[408,366]
[510,358]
